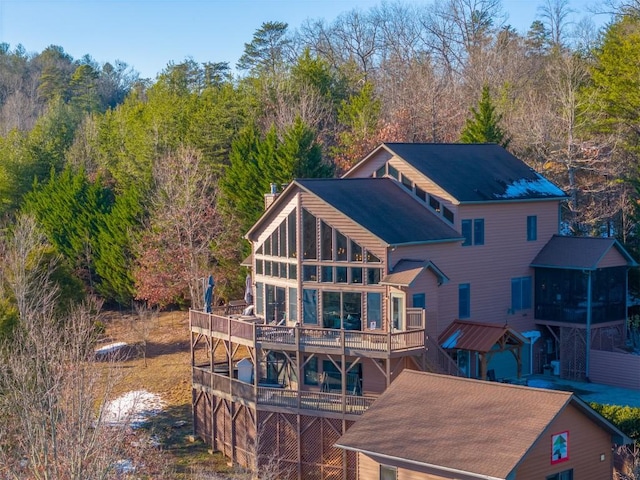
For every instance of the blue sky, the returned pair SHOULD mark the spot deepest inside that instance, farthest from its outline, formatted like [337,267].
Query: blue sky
[148,34]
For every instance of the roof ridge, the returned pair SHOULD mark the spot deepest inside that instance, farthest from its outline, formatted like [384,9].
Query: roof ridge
[486,383]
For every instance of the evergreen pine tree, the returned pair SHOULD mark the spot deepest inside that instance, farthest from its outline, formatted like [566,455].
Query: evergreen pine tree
[483,126]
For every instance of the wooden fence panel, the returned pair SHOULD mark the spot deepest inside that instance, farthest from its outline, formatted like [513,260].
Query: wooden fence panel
[615,368]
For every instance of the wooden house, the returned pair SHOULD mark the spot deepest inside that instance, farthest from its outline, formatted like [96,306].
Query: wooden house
[359,278]
[435,427]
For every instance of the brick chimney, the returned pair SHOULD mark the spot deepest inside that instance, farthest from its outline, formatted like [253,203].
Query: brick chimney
[270,197]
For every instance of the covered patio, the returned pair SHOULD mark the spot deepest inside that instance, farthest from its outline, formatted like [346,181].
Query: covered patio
[485,340]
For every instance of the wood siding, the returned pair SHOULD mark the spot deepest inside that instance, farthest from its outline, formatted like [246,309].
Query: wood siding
[426,283]
[489,268]
[369,469]
[615,369]
[587,442]
[613,258]
[367,167]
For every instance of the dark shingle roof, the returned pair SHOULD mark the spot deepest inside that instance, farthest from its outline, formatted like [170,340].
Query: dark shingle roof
[577,252]
[476,172]
[483,428]
[383,207]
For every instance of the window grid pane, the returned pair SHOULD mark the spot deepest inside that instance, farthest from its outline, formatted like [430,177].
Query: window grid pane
[532,228]
[326,242]
[466,232]
[478,231]
[464,300]
[309,235]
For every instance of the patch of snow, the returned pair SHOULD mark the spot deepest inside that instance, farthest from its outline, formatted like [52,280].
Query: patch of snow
[112,347]
[132,408]
[525,187]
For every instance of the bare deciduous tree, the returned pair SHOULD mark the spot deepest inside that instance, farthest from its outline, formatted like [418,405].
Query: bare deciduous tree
[175,252]
[50,386]
[54,406]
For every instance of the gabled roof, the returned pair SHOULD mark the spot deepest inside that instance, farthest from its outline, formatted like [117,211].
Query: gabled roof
[477,337]
[475,172]
[383,207]
[583,253]
[481,429]
[406,271]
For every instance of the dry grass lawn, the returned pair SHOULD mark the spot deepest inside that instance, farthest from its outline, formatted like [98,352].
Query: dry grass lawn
[157,359]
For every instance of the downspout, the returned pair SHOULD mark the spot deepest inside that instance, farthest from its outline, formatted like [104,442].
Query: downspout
[587,356]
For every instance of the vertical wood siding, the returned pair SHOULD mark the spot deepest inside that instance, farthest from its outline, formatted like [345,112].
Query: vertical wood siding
[615,369]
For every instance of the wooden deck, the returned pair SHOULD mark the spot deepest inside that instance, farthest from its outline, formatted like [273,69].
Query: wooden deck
[307,339]
[223,385]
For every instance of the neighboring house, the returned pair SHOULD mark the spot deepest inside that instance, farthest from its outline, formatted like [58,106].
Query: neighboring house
[359,278]
[456,428]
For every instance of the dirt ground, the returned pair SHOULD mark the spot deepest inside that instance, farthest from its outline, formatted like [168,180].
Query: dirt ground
[157,359]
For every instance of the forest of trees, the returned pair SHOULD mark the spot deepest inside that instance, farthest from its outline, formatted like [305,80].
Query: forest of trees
[143,188]
[125,192]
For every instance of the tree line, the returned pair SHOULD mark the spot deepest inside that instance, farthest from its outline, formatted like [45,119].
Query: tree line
[143,188]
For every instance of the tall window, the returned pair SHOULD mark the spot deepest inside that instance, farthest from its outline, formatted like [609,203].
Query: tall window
[467,233]
[419,300]
[341,247]
[310,306]
[532,228]
[259,298]
[478,231]
[293,304]
[326,241]
[292,234]
[309,235]
[520,293]
[374,310]
[464,300]
[388,473]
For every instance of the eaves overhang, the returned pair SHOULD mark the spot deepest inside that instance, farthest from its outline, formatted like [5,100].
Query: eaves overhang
[421,464]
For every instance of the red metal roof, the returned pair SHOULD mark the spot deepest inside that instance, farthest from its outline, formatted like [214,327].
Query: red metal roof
[477,337]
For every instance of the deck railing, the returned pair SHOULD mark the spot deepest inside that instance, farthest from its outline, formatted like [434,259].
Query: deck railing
[415,318]
[438,359]
[281,397]
[309,336]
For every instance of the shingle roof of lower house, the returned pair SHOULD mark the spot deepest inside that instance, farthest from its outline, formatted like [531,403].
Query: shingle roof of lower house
[383,207]
[476,172]
[483,428]
[577,252]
